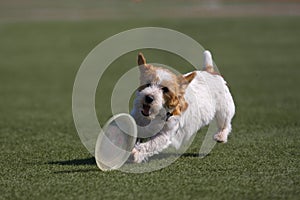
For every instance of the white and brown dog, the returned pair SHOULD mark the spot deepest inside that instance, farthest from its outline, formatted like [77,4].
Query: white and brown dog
[184,104]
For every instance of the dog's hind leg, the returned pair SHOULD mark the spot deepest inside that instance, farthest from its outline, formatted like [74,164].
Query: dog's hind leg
[223,131]
[223,118]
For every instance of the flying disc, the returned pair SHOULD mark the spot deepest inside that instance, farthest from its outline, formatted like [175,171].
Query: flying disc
[115,142]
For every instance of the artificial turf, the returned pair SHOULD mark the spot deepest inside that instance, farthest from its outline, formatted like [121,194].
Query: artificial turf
[42,156]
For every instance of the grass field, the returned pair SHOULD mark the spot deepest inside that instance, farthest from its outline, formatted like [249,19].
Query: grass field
[42,156]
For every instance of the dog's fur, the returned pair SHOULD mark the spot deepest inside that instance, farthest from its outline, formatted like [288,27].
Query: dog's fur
[184,104]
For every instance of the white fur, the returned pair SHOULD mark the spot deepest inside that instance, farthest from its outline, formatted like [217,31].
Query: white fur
[163,75]
[208,97]
[207,59]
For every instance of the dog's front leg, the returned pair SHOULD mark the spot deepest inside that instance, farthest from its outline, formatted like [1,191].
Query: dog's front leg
[157,143]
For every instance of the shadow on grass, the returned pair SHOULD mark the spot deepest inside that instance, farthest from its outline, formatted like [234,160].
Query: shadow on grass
[75,171]
[84,161]
[185,155]
[75,162]
[92,161]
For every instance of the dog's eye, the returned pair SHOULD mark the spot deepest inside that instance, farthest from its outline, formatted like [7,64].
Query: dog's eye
[165,89]
[148,85]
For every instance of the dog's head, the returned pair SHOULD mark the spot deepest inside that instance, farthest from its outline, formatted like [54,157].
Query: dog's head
[160,89]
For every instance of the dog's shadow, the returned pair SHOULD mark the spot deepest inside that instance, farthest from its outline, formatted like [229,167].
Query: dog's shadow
[84,161]
[75,162]
[185,155]
[92,162]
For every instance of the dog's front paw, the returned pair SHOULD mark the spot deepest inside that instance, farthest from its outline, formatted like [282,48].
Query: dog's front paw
[138,156]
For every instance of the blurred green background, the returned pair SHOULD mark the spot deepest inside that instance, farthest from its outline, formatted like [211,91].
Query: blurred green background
[255,44]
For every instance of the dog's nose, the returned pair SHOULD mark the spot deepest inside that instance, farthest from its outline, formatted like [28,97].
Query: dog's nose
[149,99]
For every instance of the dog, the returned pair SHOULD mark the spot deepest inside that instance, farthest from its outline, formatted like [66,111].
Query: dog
[171,108]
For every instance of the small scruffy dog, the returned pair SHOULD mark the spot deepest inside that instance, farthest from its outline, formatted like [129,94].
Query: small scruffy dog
[184,104]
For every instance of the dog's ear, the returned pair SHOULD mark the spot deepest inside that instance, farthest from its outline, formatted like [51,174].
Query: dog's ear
[143,66]
[141,59]
[185,80]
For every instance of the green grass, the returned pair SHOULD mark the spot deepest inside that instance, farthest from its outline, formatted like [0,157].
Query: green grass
[43,158]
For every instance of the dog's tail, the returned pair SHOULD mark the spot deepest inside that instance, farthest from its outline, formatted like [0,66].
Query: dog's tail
[208,62]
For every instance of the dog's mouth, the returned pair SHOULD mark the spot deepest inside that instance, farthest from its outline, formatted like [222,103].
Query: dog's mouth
[146,110]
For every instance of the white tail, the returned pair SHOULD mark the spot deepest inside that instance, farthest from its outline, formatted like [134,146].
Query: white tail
[207,60]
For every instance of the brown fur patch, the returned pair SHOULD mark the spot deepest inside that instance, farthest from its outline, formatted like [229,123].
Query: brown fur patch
[171,100]
[180,107]
[210,69]
[190,76]
[148,75]
[175,100]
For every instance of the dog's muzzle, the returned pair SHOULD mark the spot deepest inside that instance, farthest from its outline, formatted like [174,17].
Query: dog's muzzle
[146,106]
[146,110]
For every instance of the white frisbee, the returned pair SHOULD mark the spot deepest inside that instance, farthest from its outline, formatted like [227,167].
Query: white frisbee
[115,142]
